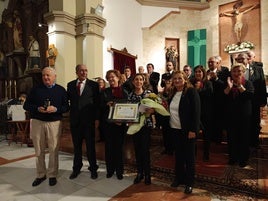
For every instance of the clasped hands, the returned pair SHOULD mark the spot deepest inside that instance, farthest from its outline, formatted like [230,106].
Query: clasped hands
[49,109]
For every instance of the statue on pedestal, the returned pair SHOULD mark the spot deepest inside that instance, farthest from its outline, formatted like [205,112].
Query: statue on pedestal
[51,54]
[17,32]
[33,60]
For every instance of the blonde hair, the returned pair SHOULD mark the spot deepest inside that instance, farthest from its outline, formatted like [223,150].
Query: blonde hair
[238,65]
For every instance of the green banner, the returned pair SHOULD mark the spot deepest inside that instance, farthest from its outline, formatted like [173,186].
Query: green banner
[197,47]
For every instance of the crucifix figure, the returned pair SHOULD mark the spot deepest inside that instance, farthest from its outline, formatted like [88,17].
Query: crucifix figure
[238,13]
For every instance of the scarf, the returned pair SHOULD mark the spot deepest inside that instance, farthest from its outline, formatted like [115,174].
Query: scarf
[235,91]
[117,92]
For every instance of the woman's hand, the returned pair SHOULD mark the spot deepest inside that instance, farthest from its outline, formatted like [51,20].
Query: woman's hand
[191,135]
[230,82]
[149,111]
[110,103]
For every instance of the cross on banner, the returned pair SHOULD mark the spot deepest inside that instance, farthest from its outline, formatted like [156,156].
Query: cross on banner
[197,47]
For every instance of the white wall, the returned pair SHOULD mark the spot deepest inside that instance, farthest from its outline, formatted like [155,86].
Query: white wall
[123,29]
[151,14]
[125,20]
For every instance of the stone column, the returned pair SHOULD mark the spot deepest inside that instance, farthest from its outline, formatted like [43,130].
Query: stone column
[90,42]
[61,33]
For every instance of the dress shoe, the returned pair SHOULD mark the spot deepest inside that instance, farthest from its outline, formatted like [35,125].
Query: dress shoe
[119,176]
[38,181]
[109,175]
[231,162]
[94,175]
[164,152]
[205,158]
[175,183]
[52,181]
[242,164]
[74,175]
[188,190]
[147,180]
[138,178]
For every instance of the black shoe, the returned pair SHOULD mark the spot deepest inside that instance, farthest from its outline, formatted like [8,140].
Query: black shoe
[52,181]
[147,180]
[138,178]
[119,176]
[175,184]
[242,164]
[74,175]
[164,152]
[231,162]
[205,158]
[109,175]
[188,190]
[94,175]
[38,181]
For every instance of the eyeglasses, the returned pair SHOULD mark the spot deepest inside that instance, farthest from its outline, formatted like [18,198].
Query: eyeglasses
[185,69]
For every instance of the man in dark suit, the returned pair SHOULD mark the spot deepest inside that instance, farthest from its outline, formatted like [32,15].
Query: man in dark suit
[218,74]
[127,85]
[166,76]
[153,77]
[256,75]
[84,99]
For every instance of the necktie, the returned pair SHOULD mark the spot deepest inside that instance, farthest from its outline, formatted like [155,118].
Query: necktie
[79,88]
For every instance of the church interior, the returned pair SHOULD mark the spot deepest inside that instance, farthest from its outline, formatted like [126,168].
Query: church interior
[94,33]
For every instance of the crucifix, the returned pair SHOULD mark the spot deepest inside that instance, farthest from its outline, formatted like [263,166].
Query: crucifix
[237,13]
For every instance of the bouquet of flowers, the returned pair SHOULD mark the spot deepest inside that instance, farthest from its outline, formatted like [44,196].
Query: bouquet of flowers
[241,46]
[150,101]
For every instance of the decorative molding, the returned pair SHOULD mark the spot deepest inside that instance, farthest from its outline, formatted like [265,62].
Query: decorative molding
[160,20]
[123,51]
[90,24]
[190,5]
[60,22]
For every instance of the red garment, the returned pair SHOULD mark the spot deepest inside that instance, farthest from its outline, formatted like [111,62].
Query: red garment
[117,92]
[235,91]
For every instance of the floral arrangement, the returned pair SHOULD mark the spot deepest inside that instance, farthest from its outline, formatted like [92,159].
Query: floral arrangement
[150,101]
[240,46]
[158,99]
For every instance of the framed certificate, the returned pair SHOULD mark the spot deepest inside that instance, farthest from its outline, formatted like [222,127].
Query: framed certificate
[124,112]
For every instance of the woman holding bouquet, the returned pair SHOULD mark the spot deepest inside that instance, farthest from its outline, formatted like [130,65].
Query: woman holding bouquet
[141,138]
[184,121]
[114,137]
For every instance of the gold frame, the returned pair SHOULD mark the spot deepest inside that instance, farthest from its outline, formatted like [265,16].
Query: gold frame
[124,112]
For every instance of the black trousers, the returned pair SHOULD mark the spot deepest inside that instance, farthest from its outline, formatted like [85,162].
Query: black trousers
[167,137]
[238,139]
[255,125]
[141,142]
[80,132]
[184,157]
[114,142]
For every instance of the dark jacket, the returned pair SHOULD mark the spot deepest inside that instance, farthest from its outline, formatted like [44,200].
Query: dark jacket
[84,108]
[190,111]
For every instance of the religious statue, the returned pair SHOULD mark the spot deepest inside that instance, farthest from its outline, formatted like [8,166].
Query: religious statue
[172,55]
[51,54]
[238,13]
[17,32]
[34,53]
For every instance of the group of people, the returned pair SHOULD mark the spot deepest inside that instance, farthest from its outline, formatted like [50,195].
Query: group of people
[210,101]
